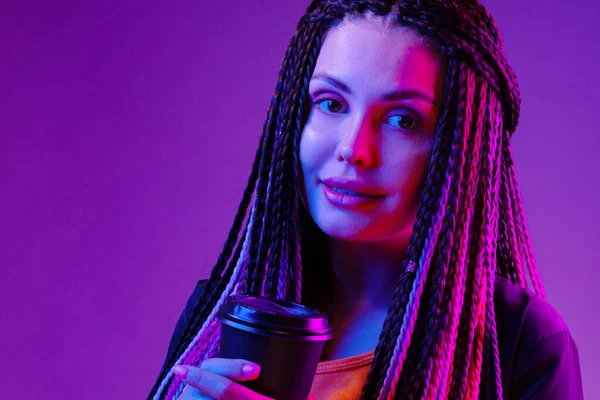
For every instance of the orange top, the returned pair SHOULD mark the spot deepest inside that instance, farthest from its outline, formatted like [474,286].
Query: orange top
[342,379]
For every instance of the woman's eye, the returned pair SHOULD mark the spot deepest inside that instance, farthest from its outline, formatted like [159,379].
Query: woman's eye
[404,122]
[330,105]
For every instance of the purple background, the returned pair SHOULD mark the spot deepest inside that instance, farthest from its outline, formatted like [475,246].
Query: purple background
[127,135]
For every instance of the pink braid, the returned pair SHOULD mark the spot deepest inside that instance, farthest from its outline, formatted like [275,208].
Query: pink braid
[489,244]
[409,320]
[510,223]
[523,233]
[491,314]
[474,375]
[445,354]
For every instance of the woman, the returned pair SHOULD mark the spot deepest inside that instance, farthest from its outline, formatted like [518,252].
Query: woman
[385,195]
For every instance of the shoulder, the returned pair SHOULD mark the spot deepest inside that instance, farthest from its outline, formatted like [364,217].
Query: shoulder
[200,287]
[184,318]
[193,299]
[539,358]
[518,308]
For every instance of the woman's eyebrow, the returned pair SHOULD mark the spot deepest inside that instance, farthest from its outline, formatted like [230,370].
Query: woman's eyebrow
[390,96]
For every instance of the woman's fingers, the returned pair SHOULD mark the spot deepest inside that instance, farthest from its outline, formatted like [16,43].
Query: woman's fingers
[239,370]
[216,386]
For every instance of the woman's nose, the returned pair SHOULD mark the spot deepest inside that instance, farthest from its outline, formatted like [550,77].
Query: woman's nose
[358,145]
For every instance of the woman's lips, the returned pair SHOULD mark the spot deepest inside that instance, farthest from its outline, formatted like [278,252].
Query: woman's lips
[348,199]
[353,186]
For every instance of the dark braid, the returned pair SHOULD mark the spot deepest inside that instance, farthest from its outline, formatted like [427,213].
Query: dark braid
[251,276]
[438,302]
[292,106]
[508,214]
[475,122]
[504,260]
[253,279]
[505,254]
[295,250]
[263,248]
[462,352]
[486,370]
[508,254]
[474,280]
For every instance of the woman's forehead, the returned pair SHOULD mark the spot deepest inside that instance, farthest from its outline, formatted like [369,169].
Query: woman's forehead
[365,53]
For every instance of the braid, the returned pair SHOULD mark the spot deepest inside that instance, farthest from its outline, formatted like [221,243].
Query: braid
[251,275]
[505,261]
[490,314]
[453,297]
[469,358]
[293,96]
[254,274]
[294,248]
[521,226]
[436,305]
[445,352]
[509,241]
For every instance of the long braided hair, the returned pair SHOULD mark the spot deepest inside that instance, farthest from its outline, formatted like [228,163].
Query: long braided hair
[439,338]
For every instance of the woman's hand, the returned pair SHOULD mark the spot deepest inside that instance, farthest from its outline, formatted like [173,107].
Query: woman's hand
[214,380]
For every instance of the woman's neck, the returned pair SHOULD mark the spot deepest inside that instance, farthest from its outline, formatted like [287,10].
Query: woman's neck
[366,274]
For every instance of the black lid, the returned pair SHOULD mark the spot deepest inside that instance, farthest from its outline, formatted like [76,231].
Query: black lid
[274,317]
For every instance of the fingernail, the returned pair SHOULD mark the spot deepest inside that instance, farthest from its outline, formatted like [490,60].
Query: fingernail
[180,371]
[250,369]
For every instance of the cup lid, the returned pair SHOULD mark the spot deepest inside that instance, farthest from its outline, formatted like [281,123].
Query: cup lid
[274,317]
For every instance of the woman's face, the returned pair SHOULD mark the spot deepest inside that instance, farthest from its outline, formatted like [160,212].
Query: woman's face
[376,96]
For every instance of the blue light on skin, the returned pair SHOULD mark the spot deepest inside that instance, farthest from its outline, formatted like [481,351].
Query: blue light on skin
[376,95]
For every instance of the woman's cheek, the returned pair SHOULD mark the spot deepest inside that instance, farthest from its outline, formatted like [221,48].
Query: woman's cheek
[419,172]
[410,169]
[314,148]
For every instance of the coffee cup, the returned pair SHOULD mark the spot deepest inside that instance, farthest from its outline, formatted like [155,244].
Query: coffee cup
[285,338]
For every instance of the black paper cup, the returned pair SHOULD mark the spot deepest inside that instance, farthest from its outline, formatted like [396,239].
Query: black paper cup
[285,338]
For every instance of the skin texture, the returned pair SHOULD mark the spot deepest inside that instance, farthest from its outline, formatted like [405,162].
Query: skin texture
[354,131]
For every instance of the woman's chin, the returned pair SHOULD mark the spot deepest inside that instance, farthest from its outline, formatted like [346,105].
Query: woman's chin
[347,231]
[362,230]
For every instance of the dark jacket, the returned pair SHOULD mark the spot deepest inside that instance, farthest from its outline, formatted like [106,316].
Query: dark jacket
[538,356]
